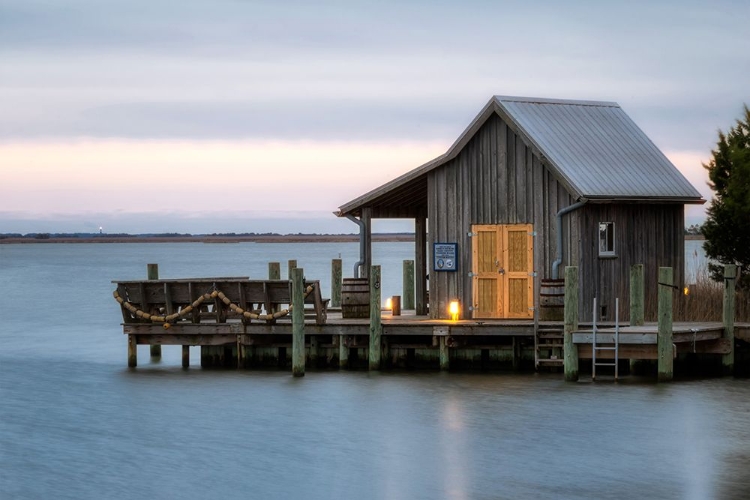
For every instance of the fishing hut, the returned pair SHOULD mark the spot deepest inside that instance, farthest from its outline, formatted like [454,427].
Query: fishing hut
[539,210]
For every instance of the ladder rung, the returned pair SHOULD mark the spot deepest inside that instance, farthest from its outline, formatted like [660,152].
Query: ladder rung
[604,348]
[602,363]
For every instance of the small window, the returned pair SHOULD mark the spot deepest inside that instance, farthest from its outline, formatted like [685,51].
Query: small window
[606,239]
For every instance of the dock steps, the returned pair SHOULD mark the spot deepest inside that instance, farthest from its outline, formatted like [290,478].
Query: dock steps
[548,345]
[596,347]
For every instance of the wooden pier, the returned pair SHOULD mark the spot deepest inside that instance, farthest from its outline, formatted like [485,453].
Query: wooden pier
[246,323]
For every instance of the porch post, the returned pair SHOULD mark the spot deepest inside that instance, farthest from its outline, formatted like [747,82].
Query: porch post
[420,264]
[366,219]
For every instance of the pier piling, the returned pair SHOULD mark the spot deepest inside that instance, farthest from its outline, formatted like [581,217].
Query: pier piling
[298,322]
[376,327]
[637,299]
[665,346]
[152,273]
[730,279]
[570,361]
[274,271]
[336,282]
[408,285]
[292,264]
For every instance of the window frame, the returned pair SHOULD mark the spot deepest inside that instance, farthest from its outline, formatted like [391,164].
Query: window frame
[609,237]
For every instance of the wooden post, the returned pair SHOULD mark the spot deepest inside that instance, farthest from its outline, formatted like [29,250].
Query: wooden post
[336,280]
[408,286]
[292,264]
[343,353]
[376,328]
[298,322]
[185,356]
[313,356]
[396,305]
[445,357]
[152,273]
[730,280]
[637,299]
[366,218]
[664,337]
[132,351]
[420,265]
[570,357]
[274,271]
[637,295]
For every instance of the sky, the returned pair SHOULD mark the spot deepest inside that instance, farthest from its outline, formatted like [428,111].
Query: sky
[239,116]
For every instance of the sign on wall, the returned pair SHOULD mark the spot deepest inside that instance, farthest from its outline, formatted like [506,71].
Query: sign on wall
[445,256]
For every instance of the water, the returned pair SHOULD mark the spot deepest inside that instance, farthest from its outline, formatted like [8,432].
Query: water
[75,422]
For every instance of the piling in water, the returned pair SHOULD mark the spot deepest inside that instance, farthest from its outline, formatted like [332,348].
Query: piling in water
[665,347]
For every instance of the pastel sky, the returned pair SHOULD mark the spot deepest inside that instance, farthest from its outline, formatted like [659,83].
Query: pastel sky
[239,116]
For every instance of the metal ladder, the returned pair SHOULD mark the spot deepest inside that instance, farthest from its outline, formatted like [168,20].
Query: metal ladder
[616,347]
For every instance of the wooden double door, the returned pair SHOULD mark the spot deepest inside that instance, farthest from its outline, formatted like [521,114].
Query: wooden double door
[503,271]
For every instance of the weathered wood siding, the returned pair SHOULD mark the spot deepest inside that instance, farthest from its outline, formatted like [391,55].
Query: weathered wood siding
[651,235]
[495,179]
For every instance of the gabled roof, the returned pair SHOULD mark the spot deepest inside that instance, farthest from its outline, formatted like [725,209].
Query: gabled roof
[593,148]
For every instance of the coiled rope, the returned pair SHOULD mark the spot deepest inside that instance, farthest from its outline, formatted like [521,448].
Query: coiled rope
[171,318]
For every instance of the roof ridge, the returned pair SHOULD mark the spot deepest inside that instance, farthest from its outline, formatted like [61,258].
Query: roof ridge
[566,102]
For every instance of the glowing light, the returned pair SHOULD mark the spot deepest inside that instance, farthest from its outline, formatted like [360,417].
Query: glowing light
[388,304]
[453,309]
[686,291]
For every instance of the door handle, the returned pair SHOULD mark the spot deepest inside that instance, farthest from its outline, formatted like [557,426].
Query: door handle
[501,271]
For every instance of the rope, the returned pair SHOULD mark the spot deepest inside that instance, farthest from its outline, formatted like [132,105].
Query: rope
[216,293]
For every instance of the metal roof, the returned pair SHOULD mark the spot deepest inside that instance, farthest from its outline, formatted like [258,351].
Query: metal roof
[597,149]
[594,148]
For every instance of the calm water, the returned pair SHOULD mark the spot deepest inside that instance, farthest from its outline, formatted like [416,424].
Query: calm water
[75,422]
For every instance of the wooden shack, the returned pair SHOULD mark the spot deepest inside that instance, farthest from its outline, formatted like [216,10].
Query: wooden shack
[530,186]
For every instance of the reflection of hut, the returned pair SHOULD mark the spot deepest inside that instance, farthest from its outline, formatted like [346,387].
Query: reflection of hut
[530,186]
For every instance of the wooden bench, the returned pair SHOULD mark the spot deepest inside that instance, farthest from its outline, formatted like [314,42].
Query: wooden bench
[168,296]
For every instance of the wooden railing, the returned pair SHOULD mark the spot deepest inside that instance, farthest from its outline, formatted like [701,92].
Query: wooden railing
[169,296]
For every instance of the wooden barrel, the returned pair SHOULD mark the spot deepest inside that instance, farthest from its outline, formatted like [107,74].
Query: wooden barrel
[552,300]
[355,298]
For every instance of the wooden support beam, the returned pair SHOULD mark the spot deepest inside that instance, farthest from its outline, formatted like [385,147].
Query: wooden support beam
[132,351]
[408,285]
[292,264]
[420,264]
[445,358]
[152,273]
[570,357]
[730,280]
[298,322]
[516,353]
[343,352]
[336,282]
[313,356]
[665,370]
[376,327]
[185,356]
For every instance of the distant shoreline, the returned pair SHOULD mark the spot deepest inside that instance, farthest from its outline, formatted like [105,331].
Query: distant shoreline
[287,238]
